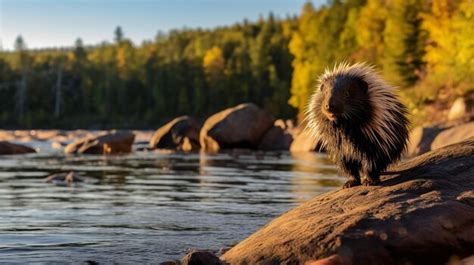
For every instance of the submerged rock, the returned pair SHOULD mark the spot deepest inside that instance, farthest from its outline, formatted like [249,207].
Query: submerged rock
[424,215]
[68,178]
[199,257]
[242,126]
[7,148]
[170,262]
[180,134]
[108,143]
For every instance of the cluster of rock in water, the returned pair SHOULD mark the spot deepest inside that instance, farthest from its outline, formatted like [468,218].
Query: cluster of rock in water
[243,126]
[424,215]
[247,126]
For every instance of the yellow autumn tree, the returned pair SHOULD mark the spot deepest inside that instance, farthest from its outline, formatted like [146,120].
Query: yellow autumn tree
[370,26]
[125,59]
[304,67]
[450,53]
[316,45]
[213,65]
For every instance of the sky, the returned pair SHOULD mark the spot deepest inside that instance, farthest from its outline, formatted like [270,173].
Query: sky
[58,23]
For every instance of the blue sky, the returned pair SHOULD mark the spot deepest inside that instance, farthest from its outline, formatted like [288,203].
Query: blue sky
[53,23]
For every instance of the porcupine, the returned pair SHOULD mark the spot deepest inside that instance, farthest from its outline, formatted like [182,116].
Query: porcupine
[359,120]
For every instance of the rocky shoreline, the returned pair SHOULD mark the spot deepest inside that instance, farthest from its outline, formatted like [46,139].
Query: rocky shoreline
[245,126]
[424,215]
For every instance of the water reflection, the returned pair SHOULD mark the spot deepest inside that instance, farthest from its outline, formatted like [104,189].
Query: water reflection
[312,170]
[147,206]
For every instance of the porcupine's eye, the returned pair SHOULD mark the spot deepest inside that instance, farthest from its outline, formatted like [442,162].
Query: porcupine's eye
[346,93]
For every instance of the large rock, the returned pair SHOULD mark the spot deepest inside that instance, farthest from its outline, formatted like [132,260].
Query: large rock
[420,140]
[7,148]
[453,135]
[425,215]
[181,134]
[239,127]
[108,143]
[279,137]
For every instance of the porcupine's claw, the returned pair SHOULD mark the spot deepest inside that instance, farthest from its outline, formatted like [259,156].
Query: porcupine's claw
[351,183]
[371,181]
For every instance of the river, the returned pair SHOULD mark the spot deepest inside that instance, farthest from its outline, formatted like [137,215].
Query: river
[147,207]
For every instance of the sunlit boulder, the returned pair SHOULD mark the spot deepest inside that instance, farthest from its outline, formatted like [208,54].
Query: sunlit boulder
[242,126]
[181,134]
[106,143]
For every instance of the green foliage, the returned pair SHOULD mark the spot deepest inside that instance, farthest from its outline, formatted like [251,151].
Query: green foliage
[424,47]
[194,72]
[403,41]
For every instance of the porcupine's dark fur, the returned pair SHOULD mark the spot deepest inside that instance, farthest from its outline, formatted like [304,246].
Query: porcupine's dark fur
[359,120]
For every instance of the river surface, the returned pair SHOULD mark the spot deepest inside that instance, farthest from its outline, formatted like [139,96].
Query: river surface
[147,207]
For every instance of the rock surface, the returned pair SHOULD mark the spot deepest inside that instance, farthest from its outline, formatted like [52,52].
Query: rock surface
[425,215]
[420,140]
[108,143]
[453,135]
[242,126]
[180,134]
[7,148]
[279,137]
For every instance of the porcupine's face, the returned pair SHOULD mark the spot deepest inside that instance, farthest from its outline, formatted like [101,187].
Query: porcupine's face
[345,98]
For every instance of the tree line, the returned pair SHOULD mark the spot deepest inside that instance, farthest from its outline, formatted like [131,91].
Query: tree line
[424,47]
[191,71]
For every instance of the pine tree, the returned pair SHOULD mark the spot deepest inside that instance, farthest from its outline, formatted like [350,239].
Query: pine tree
[118,33]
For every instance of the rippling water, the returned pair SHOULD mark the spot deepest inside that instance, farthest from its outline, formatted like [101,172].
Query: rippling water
[147,206]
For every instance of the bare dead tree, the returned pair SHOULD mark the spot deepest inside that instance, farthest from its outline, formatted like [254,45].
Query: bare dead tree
[57,106]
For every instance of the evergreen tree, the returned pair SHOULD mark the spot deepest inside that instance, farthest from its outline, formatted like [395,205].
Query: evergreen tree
[118,33]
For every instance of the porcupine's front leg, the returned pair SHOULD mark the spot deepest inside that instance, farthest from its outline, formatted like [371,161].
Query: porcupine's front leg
[354,176]
[372,178]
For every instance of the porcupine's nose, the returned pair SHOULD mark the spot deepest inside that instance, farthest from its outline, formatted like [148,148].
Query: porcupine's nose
[330,106]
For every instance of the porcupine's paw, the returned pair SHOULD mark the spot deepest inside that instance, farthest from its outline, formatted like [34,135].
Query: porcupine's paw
[371,181]
[351,183]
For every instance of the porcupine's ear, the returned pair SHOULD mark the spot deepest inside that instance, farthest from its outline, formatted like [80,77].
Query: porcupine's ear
[321,87]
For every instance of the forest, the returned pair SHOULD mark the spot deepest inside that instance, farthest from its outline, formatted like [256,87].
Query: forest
[425,48]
